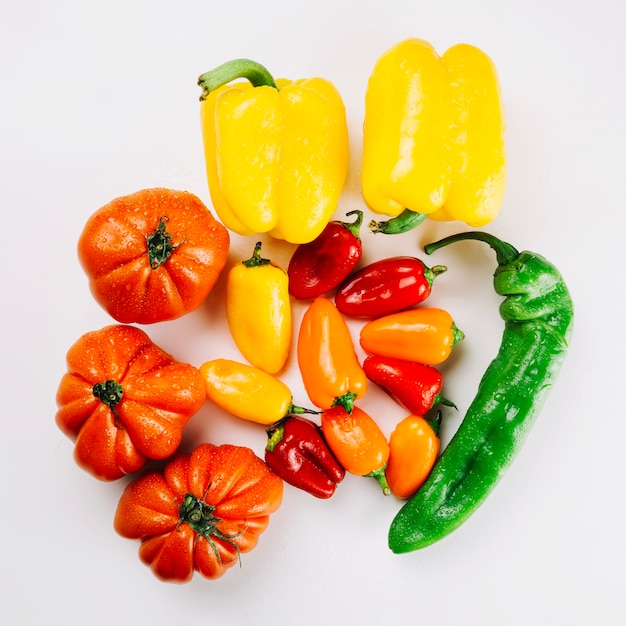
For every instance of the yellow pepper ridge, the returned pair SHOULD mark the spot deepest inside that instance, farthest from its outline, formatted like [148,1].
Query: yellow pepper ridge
[433,138]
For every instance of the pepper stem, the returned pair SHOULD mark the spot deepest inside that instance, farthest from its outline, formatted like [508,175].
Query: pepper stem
[430,273]
[354,227]
[403,223]
[299,410]
[505,252]
[380,477]
[256,260]
[275,435]
[346,401]
[457,334]
[223,74]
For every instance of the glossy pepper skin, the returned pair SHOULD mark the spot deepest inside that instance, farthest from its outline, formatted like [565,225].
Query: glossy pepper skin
[248,392]
[413,448]
[433,142]
[386,286]
[330,369]
[297,452]
[414,386]
[423,335]
[258,311]
[538,316]
[357,442]
[276,151]
[318,267]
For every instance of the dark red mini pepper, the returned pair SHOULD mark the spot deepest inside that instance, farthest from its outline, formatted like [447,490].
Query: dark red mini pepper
[414,386]
[319,266]
[386,286]
[297,452]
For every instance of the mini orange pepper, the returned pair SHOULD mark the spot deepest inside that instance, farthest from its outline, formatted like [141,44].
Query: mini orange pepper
[413,449]
[357,442]
[330,368]
[424,335]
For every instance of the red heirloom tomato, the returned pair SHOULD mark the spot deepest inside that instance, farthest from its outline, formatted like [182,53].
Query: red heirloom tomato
[124,400]
[152,256]
[200,512]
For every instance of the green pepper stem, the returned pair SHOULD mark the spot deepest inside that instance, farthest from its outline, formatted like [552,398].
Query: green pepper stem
[403,223]
[256,260]
[457,334]
[346,401]
[299,410]
[223,74]
[275,435]
[505,252]
[379,475]
[354,227]
[430,273]
[435,422]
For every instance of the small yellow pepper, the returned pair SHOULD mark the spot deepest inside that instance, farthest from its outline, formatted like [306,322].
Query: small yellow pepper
[248,392]
[258,311]
[433,137]
[276,151]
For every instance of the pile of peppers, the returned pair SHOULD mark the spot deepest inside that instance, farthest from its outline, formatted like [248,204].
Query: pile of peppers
[433,147]
[276,155]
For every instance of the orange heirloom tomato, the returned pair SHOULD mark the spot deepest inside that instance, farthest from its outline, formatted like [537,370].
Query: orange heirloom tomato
[152,256]
[123,400]
[414,446]
[357,442]
[424,335]
[330,369]
[199,513]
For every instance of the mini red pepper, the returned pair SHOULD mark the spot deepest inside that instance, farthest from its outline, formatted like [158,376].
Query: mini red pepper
[414,386]
[297,452]
[319,266]
[386,286]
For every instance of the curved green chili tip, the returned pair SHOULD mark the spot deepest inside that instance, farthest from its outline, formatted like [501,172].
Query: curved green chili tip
[223,74]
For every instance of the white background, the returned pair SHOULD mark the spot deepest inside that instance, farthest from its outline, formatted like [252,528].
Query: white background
[99,99]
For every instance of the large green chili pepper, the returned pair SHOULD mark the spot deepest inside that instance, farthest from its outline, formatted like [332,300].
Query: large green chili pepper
[538,316]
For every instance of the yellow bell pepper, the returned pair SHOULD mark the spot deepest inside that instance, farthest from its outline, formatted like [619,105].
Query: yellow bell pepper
[258,311]
[248,392]
[276,151]
[433,137]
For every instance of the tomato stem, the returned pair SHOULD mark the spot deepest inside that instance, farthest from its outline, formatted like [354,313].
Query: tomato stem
[200,517]
[109,392]
[160,246]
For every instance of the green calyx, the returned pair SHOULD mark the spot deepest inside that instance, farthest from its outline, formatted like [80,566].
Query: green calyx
[403,223]
[346,401]
[354,227]
[109,392]
[379,476]
[430,273]
[200,517]
[160,246]
[256,260]
[457,334]
[252,71]
[275,435]
[505,252]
